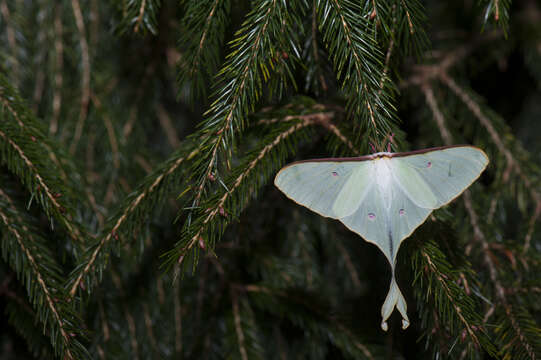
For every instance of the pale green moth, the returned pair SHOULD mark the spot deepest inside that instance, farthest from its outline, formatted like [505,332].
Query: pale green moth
[385,196]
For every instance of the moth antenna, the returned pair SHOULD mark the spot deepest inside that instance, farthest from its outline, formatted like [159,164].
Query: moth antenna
[390,142]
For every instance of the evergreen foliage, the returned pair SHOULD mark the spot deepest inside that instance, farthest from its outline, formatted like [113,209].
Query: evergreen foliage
[139,140]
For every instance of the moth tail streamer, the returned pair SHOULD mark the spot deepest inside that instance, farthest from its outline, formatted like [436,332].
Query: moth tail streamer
[394,298]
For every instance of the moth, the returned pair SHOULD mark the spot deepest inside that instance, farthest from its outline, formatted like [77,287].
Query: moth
[383,197]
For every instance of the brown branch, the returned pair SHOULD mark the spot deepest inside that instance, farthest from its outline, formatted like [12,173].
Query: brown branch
[349,265]
[531,226]
[129,318]
[238,325]
[178,317]
[128,126]
[148,326]
[40,80]
[315,48]
[425,73]
[326,124]
[389,50]
[306,257]
[12,40]
[104,325]
[438,116]
[141,15]
[145,165]
[110,132]
[387,64]
[410,24]
[94,23]
[167,126]
[101,353]
[203,38]
[332,128]
[85,83]
[58,66]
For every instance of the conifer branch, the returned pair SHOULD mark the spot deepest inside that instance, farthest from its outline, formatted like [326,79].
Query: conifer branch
[196,231]
[474,220]
[160,181]
[500,290]
[242,74]
[498,141]
[204,30]
[50,197]
[39,175]
[340,52]
[85,81]
[445,134]
[228,118]
[441,298]
[18,115]
[403,25]
[19,313]
[41,277]
[451,298]
[358,62]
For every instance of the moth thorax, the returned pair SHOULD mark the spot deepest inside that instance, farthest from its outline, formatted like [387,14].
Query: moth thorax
[383,178]
[383,171]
